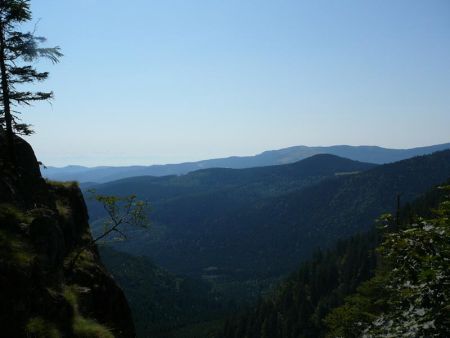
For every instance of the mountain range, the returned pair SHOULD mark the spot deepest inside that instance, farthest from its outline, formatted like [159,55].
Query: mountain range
[262,222]
[372,154]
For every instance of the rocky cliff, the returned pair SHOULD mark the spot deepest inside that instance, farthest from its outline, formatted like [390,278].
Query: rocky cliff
[43,225]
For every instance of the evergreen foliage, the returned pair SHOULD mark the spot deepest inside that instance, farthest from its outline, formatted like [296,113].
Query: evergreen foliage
[396,288]
[17,52]
[299,305]
[161,302]
[410,294]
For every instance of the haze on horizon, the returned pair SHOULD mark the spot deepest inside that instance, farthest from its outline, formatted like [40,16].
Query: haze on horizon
[172,81]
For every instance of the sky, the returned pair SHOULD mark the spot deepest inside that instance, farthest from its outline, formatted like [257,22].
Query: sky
[146,82]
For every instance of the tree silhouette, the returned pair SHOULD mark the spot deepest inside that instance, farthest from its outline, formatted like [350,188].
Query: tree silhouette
[18,51]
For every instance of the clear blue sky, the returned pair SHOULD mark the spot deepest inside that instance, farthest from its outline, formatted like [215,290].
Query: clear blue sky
[146,82]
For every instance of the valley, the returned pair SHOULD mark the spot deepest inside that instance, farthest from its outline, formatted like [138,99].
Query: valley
[237,233]
[224,169]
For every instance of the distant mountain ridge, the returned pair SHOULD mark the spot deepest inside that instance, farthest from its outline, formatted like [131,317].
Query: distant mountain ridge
[233,185]
[371,154]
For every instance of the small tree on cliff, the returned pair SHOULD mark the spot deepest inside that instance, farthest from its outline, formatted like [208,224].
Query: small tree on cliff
[18,50]
[120,212]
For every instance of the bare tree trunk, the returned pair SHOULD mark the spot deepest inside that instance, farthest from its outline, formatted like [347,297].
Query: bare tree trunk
[6,99]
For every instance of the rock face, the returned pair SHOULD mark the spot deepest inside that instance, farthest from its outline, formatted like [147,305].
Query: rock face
[43,292]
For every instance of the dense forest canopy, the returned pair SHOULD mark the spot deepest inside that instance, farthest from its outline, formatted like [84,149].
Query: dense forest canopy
[389,282]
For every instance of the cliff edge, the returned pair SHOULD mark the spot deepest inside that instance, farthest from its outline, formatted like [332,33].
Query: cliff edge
[42,227]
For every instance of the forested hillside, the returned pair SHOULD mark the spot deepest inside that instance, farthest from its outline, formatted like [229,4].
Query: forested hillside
[253,182]
[253,230]
[413,252]
[409,295]
[162,302]
[298,307]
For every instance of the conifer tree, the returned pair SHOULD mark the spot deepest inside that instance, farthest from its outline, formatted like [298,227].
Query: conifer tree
[18,51]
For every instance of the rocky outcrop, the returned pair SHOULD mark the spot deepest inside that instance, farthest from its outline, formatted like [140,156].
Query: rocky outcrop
[43,292]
